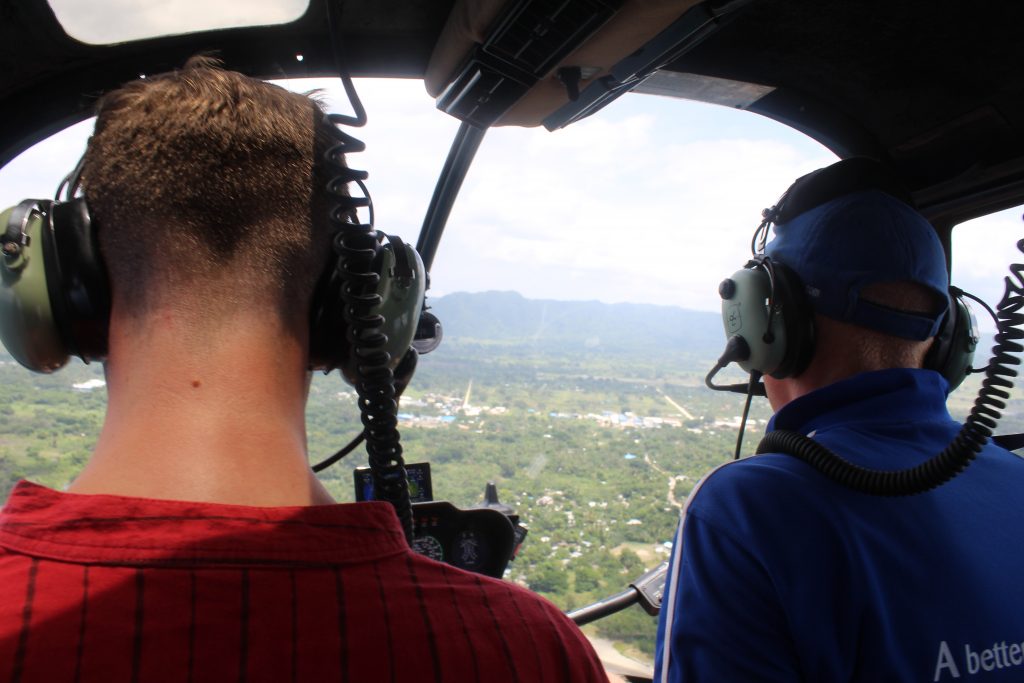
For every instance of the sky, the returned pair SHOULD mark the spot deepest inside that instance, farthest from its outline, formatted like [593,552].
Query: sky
[653,200]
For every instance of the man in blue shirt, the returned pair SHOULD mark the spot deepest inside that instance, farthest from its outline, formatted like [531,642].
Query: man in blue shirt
[780,573]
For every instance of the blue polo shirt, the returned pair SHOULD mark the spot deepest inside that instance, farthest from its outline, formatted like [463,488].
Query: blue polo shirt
[780,574]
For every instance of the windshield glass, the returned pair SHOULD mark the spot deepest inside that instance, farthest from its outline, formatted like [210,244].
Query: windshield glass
[102,22]
[577,285]
[984,250]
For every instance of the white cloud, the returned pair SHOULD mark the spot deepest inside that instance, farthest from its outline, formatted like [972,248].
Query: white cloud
[617,210]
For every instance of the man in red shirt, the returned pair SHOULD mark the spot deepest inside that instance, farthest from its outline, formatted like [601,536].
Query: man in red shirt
[197,545]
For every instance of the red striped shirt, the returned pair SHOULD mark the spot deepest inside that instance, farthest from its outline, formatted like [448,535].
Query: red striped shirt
[108,588]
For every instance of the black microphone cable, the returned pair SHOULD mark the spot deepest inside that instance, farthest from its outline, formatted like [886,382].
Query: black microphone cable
[357,246]
[755,378]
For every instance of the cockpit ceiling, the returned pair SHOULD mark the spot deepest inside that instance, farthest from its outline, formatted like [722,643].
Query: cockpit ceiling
[933,88]
[49,80]
[923,81]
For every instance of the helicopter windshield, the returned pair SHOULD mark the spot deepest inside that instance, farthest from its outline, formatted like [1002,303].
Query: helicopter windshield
[577,287]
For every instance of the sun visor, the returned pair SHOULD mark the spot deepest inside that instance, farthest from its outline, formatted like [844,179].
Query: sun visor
[466,28]
[514,63]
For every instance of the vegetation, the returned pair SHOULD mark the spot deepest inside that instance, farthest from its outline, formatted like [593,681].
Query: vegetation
[594,445]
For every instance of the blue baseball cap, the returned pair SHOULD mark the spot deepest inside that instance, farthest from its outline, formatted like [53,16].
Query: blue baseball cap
[866,237]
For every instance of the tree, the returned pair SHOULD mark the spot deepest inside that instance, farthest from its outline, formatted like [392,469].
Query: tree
[631,562]
[588,578]
[548,577]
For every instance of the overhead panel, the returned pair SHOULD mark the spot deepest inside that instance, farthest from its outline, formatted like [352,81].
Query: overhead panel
[525,43]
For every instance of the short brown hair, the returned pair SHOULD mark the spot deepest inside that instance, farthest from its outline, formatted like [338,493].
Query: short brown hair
[204,178]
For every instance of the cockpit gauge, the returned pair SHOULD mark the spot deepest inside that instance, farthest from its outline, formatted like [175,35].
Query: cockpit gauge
[429,546]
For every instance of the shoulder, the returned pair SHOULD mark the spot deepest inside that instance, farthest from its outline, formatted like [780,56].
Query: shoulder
[505,621]
[532,628]
[514,605]
[759,503]
[755,480]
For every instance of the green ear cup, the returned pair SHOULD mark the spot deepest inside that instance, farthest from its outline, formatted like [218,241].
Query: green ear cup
[27,325]
[402,287]
[953,349]
[745,313]
[402,299]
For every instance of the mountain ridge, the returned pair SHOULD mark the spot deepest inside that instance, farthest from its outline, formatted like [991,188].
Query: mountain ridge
[509,318]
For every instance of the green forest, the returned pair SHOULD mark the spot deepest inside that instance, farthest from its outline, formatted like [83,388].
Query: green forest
[596,444]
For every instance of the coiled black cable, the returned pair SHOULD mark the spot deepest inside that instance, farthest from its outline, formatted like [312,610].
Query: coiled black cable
[357,246]
[973,436]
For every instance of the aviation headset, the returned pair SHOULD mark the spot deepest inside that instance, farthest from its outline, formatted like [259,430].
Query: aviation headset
[55,297]
[766,313]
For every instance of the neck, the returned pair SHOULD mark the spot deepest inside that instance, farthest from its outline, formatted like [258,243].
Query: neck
[213,417]
[843,350]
